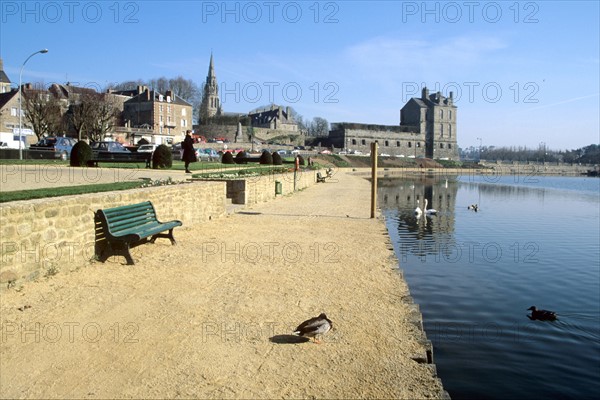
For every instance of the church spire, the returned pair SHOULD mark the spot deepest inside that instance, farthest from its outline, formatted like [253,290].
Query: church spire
[211,104]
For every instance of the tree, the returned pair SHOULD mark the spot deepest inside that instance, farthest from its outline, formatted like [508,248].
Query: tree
[44,112]
[102,116]
[318,127]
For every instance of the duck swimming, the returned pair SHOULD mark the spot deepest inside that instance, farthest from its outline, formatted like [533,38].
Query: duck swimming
[315,326]
[542,315]
[473,207]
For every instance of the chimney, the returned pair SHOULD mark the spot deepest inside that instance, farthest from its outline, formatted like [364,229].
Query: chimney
[424,93]
[140,89]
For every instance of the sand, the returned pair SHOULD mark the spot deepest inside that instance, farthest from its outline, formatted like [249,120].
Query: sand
[212,316]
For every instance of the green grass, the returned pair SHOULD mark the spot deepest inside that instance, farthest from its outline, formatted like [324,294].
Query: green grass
[34,162]
[66,191]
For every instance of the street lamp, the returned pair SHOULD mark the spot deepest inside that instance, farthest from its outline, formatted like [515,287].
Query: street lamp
[21,102]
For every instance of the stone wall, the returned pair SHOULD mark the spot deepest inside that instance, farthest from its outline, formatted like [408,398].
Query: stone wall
[39,235]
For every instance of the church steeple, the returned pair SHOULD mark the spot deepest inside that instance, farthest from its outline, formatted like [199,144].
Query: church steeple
[211,105]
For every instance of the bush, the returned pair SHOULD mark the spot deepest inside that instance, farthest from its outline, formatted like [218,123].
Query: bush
[239,156]
[277,159]
[81,154]
[301,160]
[227,158]
[266,158]
[162,157]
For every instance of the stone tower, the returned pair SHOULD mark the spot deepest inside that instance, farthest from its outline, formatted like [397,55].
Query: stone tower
[4,81]
[211,104]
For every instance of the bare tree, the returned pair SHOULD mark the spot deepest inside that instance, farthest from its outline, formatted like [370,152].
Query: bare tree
[44,112]
[102,116]
[80,115]
[318,127]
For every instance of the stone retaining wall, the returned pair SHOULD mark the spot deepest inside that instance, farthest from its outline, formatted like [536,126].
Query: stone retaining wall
[38,236]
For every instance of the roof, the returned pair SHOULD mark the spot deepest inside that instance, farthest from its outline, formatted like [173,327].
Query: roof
[3,76]
[156,96]
[6,97]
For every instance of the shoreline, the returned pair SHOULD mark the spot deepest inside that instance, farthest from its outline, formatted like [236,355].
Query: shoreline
[212,316]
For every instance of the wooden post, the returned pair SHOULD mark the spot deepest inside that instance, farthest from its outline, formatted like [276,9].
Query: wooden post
[373,179]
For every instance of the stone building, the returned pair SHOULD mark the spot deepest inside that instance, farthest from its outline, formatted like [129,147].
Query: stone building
[211,104]
[166,116]
[427,129]
[4,81]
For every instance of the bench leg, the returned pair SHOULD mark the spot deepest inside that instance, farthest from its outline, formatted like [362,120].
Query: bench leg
[164,235]
[116,250]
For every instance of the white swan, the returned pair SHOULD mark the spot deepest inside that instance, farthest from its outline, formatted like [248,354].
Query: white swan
[431,211]
[418,211]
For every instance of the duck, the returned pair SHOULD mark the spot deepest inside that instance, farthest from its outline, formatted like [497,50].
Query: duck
[315,326]
[542,315]
[431,211]
[473,207]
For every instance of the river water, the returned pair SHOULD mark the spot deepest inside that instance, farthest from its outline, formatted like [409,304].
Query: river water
[534,240]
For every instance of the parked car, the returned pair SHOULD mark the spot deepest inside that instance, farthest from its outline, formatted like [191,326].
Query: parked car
[147,148]
[53,147]
[208,154]
[110,147]
[177,152]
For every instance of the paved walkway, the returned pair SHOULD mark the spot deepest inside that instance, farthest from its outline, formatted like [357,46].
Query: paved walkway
[212,316]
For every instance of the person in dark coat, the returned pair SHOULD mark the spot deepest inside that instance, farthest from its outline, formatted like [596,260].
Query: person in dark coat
[189,153]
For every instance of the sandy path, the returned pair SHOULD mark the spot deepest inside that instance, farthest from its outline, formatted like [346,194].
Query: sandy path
[210,317]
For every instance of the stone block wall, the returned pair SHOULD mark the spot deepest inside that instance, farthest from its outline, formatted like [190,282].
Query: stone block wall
[38,235]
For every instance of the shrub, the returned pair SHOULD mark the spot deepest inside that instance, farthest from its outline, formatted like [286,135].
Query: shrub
[266,158]
[277,159]
[239,156]
[227,158]
[162,157]
[81,154]
[301,160]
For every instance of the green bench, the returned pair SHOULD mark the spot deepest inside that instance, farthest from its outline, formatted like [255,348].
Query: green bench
[121,228]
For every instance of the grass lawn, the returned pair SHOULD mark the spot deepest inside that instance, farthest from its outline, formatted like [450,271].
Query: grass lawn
[66,191]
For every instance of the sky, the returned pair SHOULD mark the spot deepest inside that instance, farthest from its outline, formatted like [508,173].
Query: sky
[522,73]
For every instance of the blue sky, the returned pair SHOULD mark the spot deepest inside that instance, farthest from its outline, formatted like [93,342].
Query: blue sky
[522,73]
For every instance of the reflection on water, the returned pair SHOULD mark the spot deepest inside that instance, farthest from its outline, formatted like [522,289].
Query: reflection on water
[475,275]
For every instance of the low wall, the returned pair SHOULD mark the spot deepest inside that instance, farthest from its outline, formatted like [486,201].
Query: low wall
[38,236]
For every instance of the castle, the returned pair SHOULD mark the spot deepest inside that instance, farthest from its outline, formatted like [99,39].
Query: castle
[427,129]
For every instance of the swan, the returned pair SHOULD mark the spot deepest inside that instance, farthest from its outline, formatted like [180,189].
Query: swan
[431,211]
[418,211]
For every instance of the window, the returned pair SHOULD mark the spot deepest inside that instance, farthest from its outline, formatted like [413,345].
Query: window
[354,142]
[160,108]
[409,144]
[418,144]
[441,114]
[13,112]
[442,130]
[363,142]
[398,143]
[450,131]
[183,112]
[441,145]
[168,109]
[449,145]
[450,114]
[387,143]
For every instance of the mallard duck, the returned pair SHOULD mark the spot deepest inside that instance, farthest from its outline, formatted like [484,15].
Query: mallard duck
[473,207]
[315,326]
[543,315]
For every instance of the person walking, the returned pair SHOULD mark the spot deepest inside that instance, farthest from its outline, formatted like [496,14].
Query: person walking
[189,153]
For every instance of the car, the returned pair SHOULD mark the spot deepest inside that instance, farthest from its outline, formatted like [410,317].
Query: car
[57,147]
[108,147]
[325,152]
[147,148]
[282,152]
[208,154]
[384,155]
[177,152]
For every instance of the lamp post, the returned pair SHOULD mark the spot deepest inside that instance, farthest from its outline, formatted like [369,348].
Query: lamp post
[21,102]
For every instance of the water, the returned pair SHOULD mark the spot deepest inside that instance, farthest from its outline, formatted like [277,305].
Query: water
[534,241]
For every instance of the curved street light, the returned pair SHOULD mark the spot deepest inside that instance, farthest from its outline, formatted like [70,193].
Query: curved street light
[21,102]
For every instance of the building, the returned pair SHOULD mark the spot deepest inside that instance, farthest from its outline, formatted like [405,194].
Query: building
[211,104]
[427,129]
[164,118]
[4,81]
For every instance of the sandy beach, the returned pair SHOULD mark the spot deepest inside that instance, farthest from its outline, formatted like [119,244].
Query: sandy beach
[212,317]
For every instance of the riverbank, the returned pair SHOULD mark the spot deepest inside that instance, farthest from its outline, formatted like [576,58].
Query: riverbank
[212,316]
